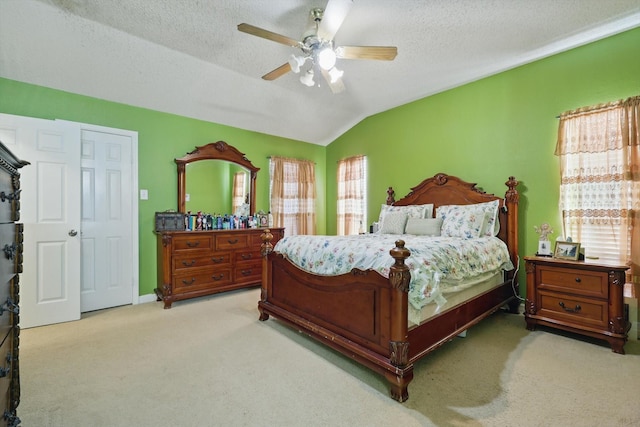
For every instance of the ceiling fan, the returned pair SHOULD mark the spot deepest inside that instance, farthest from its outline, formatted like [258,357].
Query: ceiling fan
[318,47]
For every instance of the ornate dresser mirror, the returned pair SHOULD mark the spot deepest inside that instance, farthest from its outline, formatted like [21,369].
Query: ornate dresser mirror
[211,169]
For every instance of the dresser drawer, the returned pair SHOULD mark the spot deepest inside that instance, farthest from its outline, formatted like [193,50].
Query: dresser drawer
[5,317]
[8,206]
[247,256]
[248,272]
[202,279]
[574,309]
[229,241]
[8,257]
[582,282]
[193,242]
[193,261]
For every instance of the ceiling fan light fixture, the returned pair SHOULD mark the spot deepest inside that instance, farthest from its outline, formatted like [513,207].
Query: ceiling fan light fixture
[335,74]
[326,58]
[295,62]
[307,78]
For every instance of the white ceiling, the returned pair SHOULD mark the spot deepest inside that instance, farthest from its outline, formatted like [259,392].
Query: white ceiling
[188,58]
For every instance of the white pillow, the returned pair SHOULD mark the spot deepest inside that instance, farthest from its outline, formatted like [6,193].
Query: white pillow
[490,208]
[412,211]
[394,223]
[423,226]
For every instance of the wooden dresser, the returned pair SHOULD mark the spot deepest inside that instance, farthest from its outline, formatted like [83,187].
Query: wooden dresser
[196,263]
[584,297]
[10,266]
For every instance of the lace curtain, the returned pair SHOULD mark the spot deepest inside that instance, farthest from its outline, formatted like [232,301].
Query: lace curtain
[600,180]
[293,195]
[352,181]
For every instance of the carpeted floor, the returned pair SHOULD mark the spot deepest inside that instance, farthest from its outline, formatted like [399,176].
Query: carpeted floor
[210,362]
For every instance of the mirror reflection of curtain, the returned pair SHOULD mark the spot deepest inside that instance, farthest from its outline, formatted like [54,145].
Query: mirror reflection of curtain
[293,195]
[352,191]
[239,193]
[599,150]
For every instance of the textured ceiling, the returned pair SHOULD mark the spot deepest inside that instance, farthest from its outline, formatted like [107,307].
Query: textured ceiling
[188,58]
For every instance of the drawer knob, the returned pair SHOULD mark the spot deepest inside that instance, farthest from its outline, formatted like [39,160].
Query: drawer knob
[218,277]
[246,256]
[10,250]
[193,244]
[11,196]
[217,260]
[570,310]
[188,282]
[245,272]
[232,242]
[189,264]
[9,306]
[578,280]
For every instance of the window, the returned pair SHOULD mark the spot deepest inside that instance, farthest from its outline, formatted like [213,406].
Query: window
[293,195]
[600,181]
[352,195]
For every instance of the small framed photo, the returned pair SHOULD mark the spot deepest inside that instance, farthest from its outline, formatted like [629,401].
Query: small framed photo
[567,250]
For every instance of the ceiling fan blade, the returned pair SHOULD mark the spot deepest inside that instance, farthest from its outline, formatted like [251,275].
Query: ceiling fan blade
[280,71]
[332,18]
[336,86]
[383,53]
[269,35]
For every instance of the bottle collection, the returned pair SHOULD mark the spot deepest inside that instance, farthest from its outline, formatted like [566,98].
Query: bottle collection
[202,221]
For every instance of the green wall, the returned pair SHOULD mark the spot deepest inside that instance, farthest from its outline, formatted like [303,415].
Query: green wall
[485,131]
[161,138]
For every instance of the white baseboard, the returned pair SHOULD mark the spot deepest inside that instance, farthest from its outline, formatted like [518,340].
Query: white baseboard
[147,298]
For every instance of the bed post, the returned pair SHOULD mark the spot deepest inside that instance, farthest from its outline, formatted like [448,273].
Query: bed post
[511,199]
[265,249]
[399,277]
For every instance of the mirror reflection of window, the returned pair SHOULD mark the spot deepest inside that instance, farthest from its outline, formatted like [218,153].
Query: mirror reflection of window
[240,201]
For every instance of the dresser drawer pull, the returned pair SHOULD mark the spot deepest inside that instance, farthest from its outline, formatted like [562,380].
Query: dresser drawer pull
[232,242]
[193,244]
[12,419]
[10,306]
[10,196]
[5,371]
[578,280]
[185,282]
[217,260]
[246,256]
[219,277]
[246,272]
[10,251]
[189,264]
[570,310]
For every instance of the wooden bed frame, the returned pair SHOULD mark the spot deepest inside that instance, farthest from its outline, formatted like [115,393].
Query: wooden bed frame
[364,316]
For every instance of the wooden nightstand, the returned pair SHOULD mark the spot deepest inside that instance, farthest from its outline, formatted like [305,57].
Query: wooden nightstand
[584,297]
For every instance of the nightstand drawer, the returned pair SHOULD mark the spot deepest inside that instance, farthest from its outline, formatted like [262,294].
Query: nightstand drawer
[582,282]
[588,312]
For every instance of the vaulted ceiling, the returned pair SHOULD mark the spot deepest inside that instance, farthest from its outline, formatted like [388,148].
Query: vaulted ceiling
[188,58]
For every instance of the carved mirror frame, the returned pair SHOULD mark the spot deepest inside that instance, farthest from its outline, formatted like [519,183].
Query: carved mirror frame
[215,151]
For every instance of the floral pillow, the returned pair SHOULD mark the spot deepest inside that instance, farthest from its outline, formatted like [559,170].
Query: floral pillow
[412,211]
[468,224]
[394,223]
[469,218]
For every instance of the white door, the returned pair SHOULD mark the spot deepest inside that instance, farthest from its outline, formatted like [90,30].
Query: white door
[107,231]
[50,211]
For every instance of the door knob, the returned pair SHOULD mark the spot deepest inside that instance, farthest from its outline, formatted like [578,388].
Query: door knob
[73,233]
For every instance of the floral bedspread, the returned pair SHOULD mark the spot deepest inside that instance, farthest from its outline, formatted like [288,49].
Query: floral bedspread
[432,258]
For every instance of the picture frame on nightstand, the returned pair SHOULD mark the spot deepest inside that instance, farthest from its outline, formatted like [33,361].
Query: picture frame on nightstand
[567,250]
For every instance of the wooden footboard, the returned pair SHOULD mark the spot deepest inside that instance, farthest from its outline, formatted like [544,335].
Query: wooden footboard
[364,316]
[361,314]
